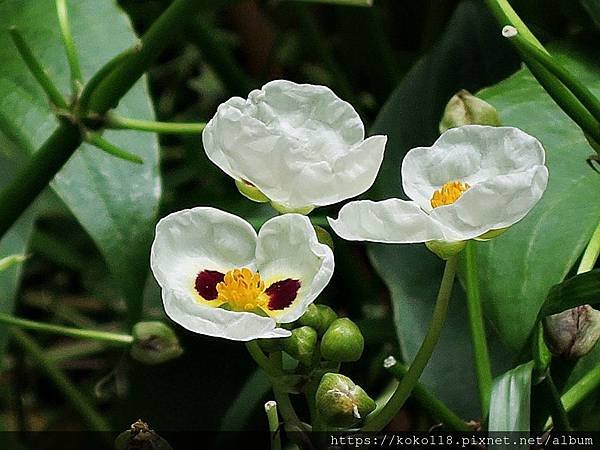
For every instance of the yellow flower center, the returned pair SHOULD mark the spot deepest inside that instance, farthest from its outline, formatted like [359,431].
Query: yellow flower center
[242,290]
[448,194]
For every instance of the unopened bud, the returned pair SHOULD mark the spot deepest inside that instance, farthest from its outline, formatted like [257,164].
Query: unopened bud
[285,210]
[140,437]
[250,191]
[446,249]
[328,316]
[340,402]
[572,333]
[323,236]
[154,343]
[342,342]
[466,109]
[318,317]
[301,344]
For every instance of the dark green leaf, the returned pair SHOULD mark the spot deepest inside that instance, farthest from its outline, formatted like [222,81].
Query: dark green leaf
[518,268]
[593,9]
[582,289]
[510,401]
[471,52]
[115,201]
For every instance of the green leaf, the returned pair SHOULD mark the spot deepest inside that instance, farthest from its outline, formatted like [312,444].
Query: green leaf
[471,53]
[510,401]
[593,9]
[518,268]
[250,395]
[115,201]
[582,289]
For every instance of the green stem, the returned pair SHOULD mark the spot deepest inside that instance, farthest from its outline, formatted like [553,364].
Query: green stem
[506,15]
[99,142]
[75,397]
[273,420]
[378,421]
[579,391]
[162,32]
[35,176]
[37,70]
[104,336]
[262,360]
[435,407]
[590,255]
[583,94]
[114,121]
[59,147]
[69,43]
[483,366]
[559,415]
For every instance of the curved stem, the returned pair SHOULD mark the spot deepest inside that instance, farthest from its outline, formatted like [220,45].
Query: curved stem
[483,366]
[114,121]
[99,142]
[384,416]
[590,255]
[77,399]
[104,336]
[506,15]
[262,360]
[583,94]
[436,408]
[36,69]
[70,49]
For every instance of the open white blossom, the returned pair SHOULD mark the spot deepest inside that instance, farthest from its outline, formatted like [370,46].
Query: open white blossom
[474,179]
[219,278]
[299,144]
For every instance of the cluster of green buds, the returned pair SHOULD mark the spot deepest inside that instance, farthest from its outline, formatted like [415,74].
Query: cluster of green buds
[320,341]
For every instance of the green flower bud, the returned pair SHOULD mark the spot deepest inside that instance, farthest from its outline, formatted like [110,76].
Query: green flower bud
[311,317]
[466,109]
[140,437]
[251,192]
[491,234]
[342,342]
[446,249]
[154,343]
[301,344]
[340,402]
[328,315]
[572,333]
[323,236]
[285,210]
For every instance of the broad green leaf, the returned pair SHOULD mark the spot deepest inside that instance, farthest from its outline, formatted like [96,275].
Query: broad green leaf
[510,401]
[115,201]
[593,9]
[518,268]
[583,289]
[470,54]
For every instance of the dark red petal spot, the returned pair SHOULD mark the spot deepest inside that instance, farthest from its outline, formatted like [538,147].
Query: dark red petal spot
[206,283]
[282,293]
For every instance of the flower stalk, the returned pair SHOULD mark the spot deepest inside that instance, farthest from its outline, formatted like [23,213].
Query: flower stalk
[69,43]
[126,123]
[380,419]
[99,142]
[102,336]
[273,420]
[483,367]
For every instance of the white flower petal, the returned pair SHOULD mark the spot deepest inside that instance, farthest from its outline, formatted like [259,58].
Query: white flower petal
[239,326]
[197,239]
[470,154]
[291,140]
[288,248]
[496,203]
[390,221]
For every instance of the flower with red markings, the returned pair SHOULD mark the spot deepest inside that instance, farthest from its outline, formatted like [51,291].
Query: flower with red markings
[220,278]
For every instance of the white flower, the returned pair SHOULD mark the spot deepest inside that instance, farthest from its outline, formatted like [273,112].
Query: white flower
[299,144]
[219,278]
[472,180]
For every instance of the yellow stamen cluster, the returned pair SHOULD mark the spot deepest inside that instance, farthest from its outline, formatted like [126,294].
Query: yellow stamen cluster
[242,290]
[448,194]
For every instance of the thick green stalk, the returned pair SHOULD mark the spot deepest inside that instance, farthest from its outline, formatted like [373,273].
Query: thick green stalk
[73,395]
[379,420]
[125,123]
[590,255]
[37,70]
[103,336]
[483,366]
[559,415]
[506,15]
[434,406]
[69,43]
[59,147]
[273,420]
